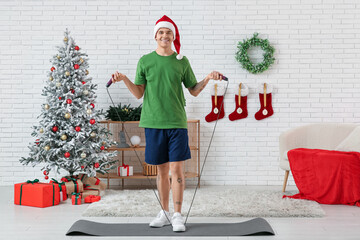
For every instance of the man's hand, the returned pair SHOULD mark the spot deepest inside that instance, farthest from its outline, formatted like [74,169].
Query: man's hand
[117,77]
[214,75]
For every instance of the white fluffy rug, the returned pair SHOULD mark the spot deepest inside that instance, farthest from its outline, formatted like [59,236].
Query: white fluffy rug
[209,202]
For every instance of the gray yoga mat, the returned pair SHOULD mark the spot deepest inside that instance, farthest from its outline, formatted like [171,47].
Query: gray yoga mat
[256,226]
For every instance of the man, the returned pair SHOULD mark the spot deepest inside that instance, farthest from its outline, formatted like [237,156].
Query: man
[159,78]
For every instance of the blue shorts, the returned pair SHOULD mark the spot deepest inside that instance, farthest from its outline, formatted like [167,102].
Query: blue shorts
[166,145]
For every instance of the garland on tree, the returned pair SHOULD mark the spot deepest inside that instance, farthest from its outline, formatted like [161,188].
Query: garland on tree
[243,58]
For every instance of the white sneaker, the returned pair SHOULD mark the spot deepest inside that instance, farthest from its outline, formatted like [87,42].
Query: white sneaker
[178,222]
[161,220]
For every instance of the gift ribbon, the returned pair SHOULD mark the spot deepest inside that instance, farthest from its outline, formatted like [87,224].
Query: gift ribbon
[32,182]
[97,181]
[126,167]
[74,180]
[60,184]
[77,195]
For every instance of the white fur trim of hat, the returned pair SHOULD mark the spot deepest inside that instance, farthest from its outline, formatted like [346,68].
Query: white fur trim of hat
[244,89]
[260,88]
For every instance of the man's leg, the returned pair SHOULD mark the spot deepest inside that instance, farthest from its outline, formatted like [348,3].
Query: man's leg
[177,184]
[163,184]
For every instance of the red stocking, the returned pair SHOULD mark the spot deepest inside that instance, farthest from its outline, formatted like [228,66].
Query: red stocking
[241,106]
[266,109]
[217,110]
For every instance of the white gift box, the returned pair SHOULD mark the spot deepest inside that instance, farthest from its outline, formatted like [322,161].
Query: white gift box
[125,170]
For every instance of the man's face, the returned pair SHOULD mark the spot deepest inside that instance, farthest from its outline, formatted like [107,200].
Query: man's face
[164,37]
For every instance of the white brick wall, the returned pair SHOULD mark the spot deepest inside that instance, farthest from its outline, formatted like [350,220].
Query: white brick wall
[315,76]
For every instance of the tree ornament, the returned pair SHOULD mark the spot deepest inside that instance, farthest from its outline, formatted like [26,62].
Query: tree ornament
[81,60]
[77,128]
[65,39]
[77,48]
[97,165]
[72,91]
[67,155]
[68,101]
[67,115]
[92,121]
[83,155]
[41,130]
[82,167]
[85,92]
[92,105]
[67,73]
[47,148]
[93,134]
[58,84]
[83,82]
[51,78]
[102,147]
[103,143]
[58,57]
[76,66]
[87,72]
[55,128]
[59,98]
[243,58]
[63,137]
[45,172]
[52,69]
[37,141]
[89,111]
[46,177]
[46,106]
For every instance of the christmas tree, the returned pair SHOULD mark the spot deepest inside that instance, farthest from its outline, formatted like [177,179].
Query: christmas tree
[69,136]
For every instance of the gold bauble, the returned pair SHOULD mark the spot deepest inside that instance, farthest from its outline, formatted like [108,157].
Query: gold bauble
[93,134]
[83,155]
[65,39]
[86,72]
[58,57]
[89,111]
[67,73]
[58,84]
[47,147]
[67,115]
[81,60]
[46,106]
[103,143]
[51,78]
[85,92]
[63,137]
[41,130]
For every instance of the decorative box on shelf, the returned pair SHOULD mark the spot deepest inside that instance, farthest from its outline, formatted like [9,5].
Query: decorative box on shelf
[131,128]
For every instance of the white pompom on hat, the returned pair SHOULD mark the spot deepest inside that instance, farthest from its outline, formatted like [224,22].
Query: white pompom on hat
[260,88]
[244,90]
[166,22]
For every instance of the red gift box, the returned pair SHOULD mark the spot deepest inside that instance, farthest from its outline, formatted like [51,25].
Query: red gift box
[36,194]
[76,198]
[62,187]
[92,198]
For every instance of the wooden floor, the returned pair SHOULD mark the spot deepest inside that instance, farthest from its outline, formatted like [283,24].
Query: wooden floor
[20,222]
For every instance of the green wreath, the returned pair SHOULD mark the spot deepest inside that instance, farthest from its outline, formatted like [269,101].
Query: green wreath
[243,58]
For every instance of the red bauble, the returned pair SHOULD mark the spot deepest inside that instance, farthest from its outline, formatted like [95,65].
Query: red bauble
[52,69]
[59,98]
[83,82]
[82,167]
[37,141]
[76,66]
[92,105]
[77,128]
[68,101]
[45,172]
[67,154]
[55,128]
[102,148]
[46,177]
[72,91]
[92,121]
[77,48]
[96,165]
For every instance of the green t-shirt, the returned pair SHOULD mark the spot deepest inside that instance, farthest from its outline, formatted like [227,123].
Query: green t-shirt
[164,101]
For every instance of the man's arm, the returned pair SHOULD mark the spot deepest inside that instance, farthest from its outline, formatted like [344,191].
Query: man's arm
[136,90]
[196,90]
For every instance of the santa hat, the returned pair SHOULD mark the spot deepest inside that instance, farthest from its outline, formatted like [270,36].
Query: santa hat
[166,22]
